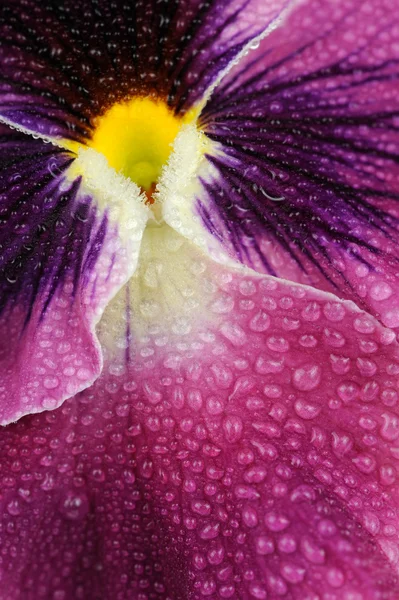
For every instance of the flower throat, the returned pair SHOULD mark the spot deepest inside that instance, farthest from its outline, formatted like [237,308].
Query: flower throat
[136,138]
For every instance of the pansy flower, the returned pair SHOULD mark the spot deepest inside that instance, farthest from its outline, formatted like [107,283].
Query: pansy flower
[198,300]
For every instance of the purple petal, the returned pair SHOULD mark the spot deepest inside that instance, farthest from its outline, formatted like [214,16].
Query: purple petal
[64,64]
[253,456]
[303,182]
[61,260]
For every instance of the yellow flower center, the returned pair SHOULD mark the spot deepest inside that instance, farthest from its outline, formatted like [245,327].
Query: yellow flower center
[136,139]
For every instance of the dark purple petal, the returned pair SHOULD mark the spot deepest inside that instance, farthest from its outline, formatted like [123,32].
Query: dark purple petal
[57,272]
[253,457]
[305,180]
[64,63]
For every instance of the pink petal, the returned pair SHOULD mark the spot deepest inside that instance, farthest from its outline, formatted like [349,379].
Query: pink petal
[252,457]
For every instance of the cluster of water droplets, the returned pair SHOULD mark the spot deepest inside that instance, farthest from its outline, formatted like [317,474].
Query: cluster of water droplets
[252,455]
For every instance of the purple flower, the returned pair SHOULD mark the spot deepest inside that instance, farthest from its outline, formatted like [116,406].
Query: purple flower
[199,300]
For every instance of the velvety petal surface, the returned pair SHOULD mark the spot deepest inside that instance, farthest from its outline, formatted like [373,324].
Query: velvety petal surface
[63,255]
[243,446]
[302,179]
[64,64]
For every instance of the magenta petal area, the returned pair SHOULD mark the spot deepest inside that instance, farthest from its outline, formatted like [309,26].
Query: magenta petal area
[307,184]
[254,458]
[57,271]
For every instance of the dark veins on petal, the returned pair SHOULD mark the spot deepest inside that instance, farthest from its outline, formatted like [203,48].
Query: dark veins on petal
[308,176]
[48,234]
[63,64]
[51,239]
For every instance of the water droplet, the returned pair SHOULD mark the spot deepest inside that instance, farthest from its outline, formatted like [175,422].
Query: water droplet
[307,377]
[74,505]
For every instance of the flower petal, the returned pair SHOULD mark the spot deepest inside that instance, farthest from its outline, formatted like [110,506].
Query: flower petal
[62,65]
[253,455]
[302,180]
[62,257]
